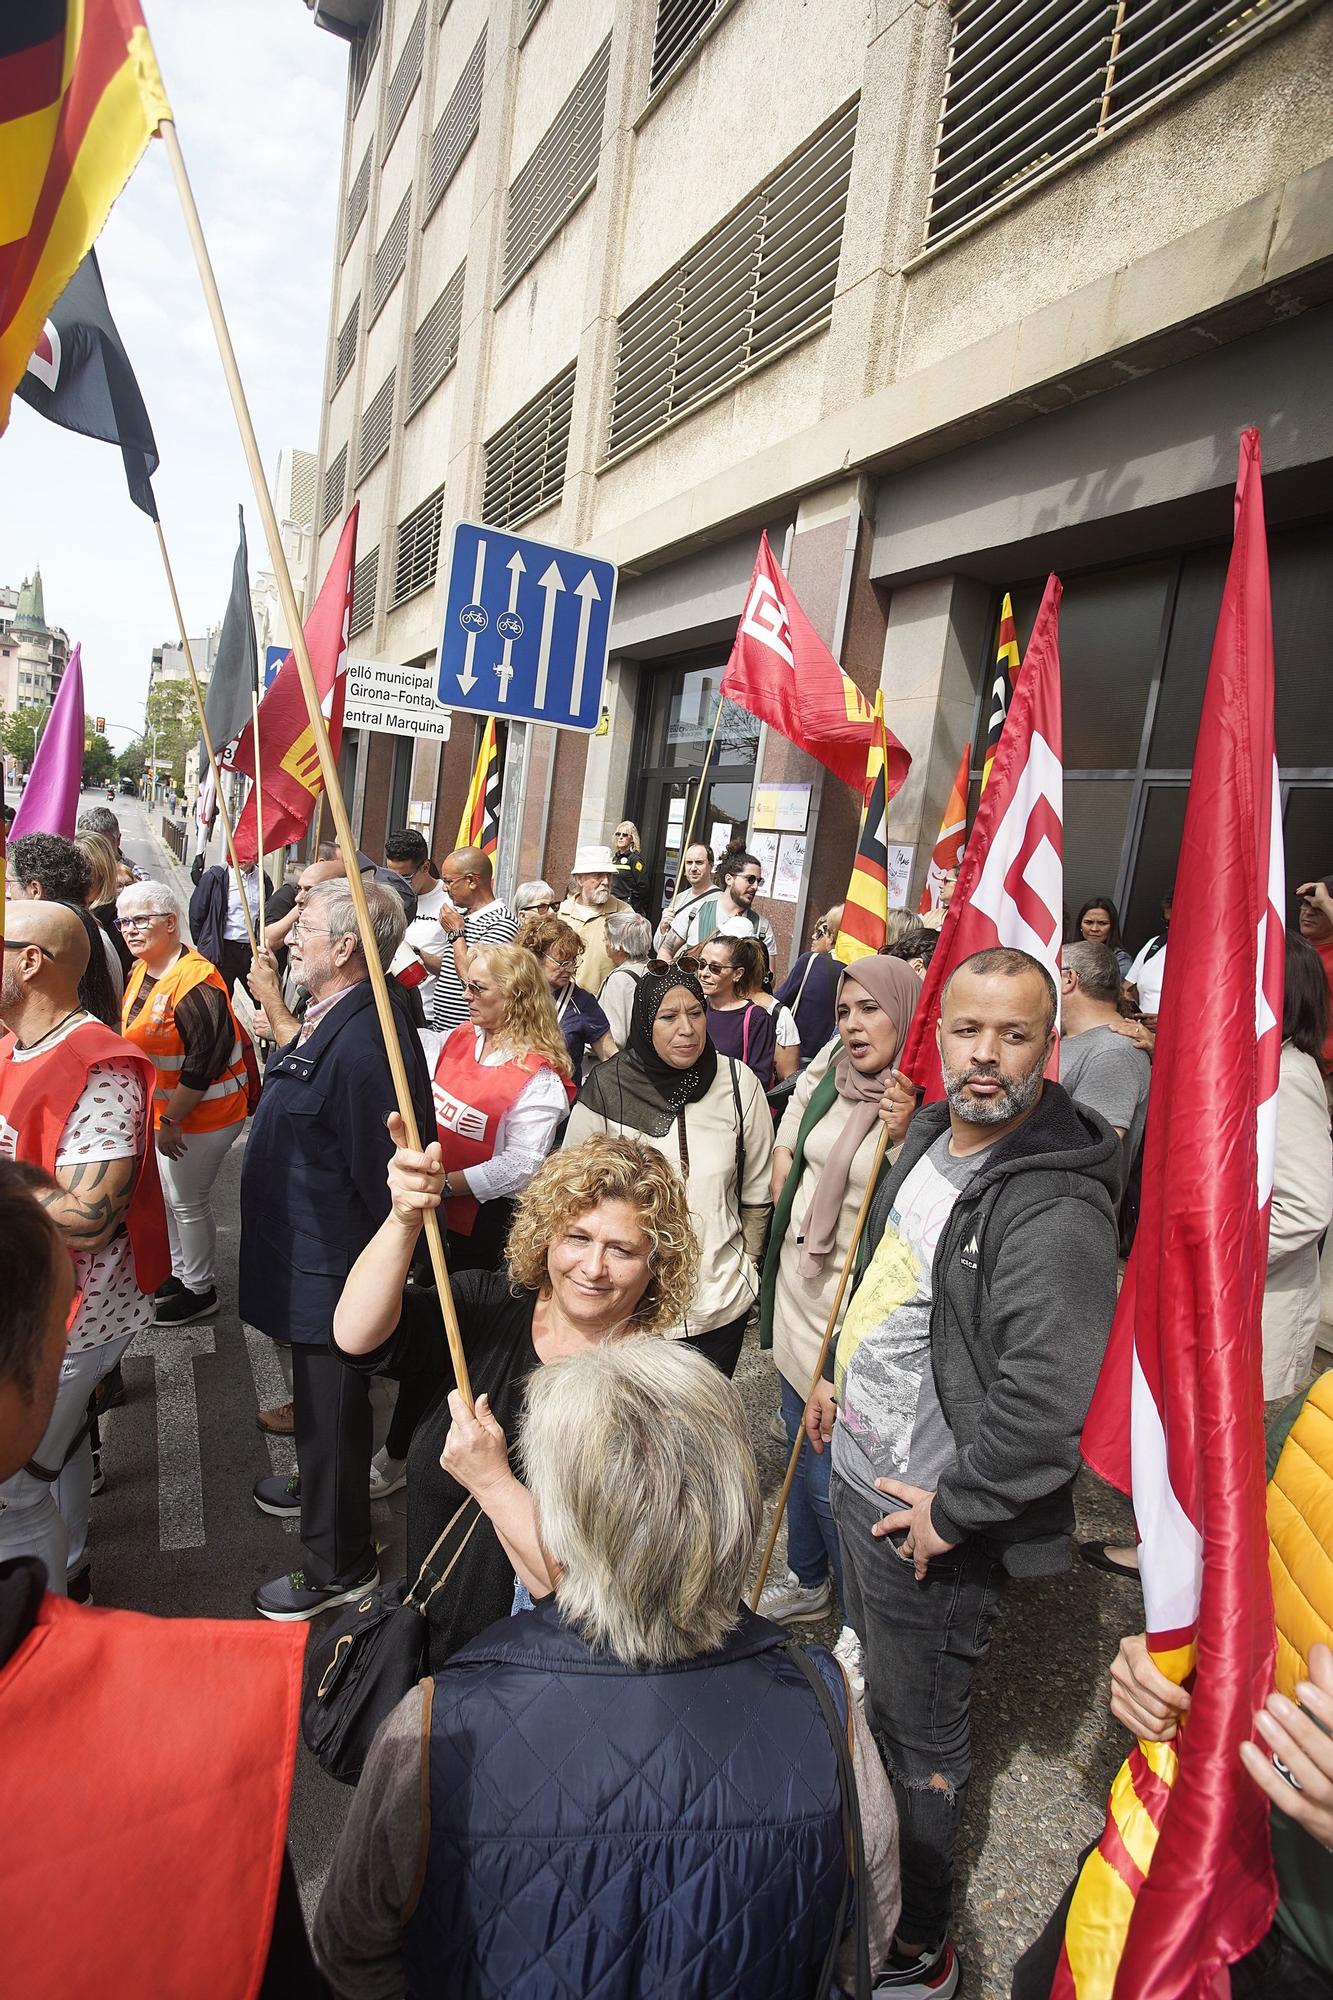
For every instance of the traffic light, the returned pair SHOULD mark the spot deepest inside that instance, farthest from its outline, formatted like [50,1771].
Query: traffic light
[101,725]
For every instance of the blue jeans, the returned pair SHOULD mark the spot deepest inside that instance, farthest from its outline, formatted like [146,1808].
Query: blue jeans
[923,1642]
[812,1533]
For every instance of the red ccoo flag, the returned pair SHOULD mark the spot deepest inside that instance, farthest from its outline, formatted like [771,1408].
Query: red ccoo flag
[949,842]
[1011,884]
[1181,1883]
[291,778]
[781,670]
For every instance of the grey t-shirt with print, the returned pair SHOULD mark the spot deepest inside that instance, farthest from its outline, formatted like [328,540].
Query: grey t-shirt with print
[890,1424]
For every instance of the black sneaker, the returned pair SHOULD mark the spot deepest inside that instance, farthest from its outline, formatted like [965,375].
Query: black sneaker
[79,1587]
[169,1290]
[276,1495]
[290,1598]
[99,1477]
[933,1976]
[183,1307]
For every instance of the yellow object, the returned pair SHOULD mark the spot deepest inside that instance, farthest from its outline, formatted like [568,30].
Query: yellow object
[1300,1536]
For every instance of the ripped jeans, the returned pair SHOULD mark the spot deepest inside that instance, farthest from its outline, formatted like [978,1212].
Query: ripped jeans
[922,1644]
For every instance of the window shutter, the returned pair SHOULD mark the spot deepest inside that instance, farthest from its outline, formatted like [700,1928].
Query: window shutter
[358,200]
[335,487]
[456,127]
[525,460]
[406,76]
[345,350]
[363,594]
[560,172]
[418,553]
[376,424]
[435,343]
[679,25]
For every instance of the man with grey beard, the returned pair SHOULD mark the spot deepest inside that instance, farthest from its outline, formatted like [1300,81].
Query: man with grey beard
[961,1378]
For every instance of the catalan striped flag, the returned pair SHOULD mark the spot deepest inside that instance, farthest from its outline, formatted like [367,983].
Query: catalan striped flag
[1181,1883]
[1002,686]
[480,824]
[949,842]
[865,913]
[80,97]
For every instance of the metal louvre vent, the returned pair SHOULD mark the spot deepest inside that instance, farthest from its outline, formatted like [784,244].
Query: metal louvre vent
[364,577]
[456,127]
[532,8]
[364,51]
[345,350]
[679,26]
[763,280]
[435,343]
[525,460]
[560,171]
[418,553]
[376,423]
[335,485]
[391,256]
[1031,82]
[406,76]
[358,200]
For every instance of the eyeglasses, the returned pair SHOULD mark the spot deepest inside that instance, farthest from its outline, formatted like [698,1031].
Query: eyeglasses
[528,908]
[143,920]
[561,964]
[27,944]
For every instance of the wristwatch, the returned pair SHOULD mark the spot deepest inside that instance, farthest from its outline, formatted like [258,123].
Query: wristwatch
[454,936]
[164,1120]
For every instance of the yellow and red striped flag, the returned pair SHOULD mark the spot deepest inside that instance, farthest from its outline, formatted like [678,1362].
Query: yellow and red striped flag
[1002,686]
[949,842]
[865,912]
[80,97]
[480,824]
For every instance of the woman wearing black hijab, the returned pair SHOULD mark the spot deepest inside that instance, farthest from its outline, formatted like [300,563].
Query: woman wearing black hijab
[708,1115]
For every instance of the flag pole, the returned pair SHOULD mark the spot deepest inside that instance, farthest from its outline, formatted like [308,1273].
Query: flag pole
[338,805]
[847,1263]
[186,648]
[694,809]
[259,808]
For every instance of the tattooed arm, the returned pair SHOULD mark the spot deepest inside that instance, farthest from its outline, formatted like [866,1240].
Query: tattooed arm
[89,1201]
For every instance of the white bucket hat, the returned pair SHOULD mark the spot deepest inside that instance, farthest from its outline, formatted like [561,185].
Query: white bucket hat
[594,861]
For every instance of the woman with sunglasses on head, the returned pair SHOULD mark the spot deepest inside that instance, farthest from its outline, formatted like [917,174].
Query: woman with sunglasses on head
[557,948]
[178,1012]
[731,973]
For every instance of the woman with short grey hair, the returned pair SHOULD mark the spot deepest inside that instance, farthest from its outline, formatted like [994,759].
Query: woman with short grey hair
[687,1756]
[535,899]
[629,945]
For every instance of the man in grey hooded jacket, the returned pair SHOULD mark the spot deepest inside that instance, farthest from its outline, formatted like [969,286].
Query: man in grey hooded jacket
[962,1375]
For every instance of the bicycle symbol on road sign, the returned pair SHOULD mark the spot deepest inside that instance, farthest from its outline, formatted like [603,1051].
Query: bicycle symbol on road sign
[509,625]
[473,618]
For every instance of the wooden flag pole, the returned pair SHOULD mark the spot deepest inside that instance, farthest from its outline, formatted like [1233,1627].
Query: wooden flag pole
[338,805]
[211,753]
[259,811]
[847,1263]
[694,809]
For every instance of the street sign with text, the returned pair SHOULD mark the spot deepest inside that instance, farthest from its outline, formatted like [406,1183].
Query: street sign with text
[398,699]
[526,629]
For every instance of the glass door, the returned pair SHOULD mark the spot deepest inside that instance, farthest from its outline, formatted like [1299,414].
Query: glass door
[671,751]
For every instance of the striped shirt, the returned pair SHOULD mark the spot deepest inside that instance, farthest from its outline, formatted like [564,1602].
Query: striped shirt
[495,924]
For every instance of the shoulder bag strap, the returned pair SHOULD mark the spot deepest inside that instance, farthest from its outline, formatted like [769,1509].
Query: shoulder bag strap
[734,1072]
[427,1572]
[853,1836]
[745,1032]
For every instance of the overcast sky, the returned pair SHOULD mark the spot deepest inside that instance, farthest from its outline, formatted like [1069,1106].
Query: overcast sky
[257,91]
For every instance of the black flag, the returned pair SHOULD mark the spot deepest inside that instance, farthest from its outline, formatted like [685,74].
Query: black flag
[80,377]
[236,667]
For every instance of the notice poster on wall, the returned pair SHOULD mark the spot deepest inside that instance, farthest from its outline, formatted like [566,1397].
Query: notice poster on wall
[790,867]
[764,847]
[900,874]
[720,838]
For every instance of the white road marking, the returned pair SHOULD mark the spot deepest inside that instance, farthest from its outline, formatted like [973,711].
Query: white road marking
[271,1390]
[180,1486]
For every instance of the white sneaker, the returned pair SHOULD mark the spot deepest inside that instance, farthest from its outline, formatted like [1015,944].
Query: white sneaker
[852,1660]
[790,1603]
[387,1475]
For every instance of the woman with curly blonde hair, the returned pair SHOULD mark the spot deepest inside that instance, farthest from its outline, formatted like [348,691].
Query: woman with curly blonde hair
[557,948]
[601,1246]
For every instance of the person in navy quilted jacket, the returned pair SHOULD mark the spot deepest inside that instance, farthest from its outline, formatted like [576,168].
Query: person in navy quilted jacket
[630,1790]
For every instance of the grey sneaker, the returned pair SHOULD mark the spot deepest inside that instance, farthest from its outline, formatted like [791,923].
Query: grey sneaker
[275,1494]
[387,1475]
[290,1598]
[790,1603]
[852,1660]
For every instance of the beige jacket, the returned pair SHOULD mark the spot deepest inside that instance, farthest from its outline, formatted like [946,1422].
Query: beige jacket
[1302,1210]
[595,966]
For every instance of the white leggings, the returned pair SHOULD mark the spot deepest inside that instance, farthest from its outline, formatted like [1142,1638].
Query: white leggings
[187,1187]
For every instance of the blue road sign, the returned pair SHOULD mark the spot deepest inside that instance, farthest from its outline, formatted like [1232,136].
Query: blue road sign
[526,629]
[273,659]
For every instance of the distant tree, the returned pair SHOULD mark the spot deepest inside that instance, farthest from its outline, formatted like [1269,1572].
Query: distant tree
[99,760]
[16,731]
[130,762]
[170,711]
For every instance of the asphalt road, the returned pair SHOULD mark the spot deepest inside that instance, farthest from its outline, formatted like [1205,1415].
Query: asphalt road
[177,1533]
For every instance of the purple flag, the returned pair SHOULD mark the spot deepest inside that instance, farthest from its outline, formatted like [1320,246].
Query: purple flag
[50,802]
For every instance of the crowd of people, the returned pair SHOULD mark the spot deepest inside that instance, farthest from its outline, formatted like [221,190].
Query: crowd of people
[642,1145]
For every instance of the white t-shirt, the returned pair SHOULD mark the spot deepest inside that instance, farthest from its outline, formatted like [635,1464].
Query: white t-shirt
[109,1122]
[234,929]
[785,1028]
[1147,973]
[424,929]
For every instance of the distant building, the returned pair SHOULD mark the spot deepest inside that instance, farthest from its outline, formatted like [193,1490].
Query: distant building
[32,653]
[169,664]
[293,491]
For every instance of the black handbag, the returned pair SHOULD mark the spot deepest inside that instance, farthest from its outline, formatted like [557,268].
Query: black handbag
[365,1663]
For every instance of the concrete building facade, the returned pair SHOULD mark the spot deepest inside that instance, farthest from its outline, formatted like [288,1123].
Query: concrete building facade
[32,653]
[941,295]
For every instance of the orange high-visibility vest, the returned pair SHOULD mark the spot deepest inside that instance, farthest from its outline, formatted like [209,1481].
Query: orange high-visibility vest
[144,1788]
[156,1033]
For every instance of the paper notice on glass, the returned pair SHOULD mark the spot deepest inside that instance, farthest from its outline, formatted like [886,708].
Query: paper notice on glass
[764,847]
[790,868]
[900,874]
[720,838]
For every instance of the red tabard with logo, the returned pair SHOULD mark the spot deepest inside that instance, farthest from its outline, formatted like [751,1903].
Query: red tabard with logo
[470,1100]
[36,1099]
[144,1788]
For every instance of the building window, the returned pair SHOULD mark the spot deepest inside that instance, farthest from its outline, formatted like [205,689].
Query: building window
[675,723]
[345,351]
[435,343]
[1029,84]
[417,556]
[560,171]
[406,76]
[680,25]
[525,460]
[335,486]
[390,257]
[364,51]
[376,423]
[358,200]
[456,127]
[762,281]
[363,594]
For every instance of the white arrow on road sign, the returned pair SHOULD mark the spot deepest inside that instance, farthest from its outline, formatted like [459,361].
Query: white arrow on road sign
[180,1486]
[551,582]
[467,680]
[588,594]
[504,672]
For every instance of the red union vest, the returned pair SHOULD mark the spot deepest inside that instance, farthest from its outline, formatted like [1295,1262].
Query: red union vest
[190,1727]
[470,1100]
[36,1099]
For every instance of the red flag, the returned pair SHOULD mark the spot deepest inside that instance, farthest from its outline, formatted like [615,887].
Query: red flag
[1011,884]
[291,777]
[950,841]
[781,670]
[1177,1418]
